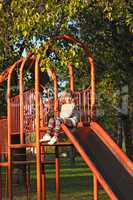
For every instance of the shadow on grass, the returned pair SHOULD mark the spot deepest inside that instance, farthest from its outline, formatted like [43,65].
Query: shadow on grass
[71,184]
[76,183]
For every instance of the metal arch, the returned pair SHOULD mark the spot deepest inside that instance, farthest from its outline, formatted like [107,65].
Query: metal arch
[9,123]
[37,129]
[22,98]
[71,73]
[11,69]
[54,78]
[71,39]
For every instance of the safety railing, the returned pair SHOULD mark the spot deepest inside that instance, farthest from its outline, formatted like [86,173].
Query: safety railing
[15,114]
[82,100]
[3,138]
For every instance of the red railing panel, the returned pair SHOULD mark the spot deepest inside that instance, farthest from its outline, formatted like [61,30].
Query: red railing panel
[3,136]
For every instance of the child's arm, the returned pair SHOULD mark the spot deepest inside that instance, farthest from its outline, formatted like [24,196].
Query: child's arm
[75,116]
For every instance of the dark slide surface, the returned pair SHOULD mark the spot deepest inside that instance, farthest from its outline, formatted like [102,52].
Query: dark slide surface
[114,173]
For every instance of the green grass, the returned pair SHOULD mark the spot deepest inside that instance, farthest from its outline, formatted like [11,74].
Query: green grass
[76,183]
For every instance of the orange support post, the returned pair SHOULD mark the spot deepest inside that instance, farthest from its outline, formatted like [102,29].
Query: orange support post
[44,184]
[43,173]
[0,183]
[37,126]
[95,187]
[41,113]
[9,125]
[93,88]
[57,173]
[71,73]
[56,111]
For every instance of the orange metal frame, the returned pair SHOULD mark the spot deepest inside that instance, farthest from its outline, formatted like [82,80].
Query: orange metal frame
[87,96]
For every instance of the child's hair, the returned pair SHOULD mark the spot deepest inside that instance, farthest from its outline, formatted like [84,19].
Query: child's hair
[66,94]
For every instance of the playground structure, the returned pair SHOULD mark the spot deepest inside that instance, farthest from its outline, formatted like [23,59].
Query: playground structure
[110,166]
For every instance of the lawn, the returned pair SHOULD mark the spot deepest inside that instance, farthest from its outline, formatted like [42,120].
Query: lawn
[75,182]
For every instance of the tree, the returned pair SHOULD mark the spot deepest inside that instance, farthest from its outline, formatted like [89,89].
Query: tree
[106,26]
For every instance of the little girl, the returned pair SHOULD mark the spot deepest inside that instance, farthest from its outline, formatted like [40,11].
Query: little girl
[68,115]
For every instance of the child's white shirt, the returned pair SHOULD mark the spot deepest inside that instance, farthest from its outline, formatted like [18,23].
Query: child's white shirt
[67,110]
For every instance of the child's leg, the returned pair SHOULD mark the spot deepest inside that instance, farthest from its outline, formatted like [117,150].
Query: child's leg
[51,125]
[57,126]
[68,122]
[54,139]
[47,136]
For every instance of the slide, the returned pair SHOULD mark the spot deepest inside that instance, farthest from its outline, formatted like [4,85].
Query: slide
[111,166]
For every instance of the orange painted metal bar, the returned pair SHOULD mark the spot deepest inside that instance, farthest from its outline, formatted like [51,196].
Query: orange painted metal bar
[3,151]
[80,106]
[44,185]
[32,62]
[56,102]
[41,113]
[21,97]
[4,74]
[84,103]
[3,164]
[71,73]
[56,111]
[0,184]
[9,124]
[93,88]
[43,173]
[57,166]
[3,137]
[88,102]
[89,162]
[14,146]
[121,156]
[37,126]
[95,187]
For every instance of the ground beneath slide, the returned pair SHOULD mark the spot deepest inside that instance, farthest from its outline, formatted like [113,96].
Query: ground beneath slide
[114,173]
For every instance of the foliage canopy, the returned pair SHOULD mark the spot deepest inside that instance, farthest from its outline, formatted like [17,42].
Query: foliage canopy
[105,25]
